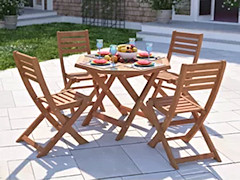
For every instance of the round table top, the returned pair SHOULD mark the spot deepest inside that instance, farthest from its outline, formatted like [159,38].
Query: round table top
[121,68]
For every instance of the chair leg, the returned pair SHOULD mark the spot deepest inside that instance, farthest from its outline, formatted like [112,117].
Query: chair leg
[97,94]
[156,139]
[66,127]
[68,84]
[30,129]
[210,143]
[52,142]
[160,137]
[72,110]
[158,89]
[195,128]
[169,152]
[58,126]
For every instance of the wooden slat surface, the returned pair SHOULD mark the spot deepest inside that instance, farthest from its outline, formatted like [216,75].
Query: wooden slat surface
[181,51]
[200,80]
[184,46]
[78,50]
[190,41]
[69,45]
[69,39]
[199,87]
[202,73]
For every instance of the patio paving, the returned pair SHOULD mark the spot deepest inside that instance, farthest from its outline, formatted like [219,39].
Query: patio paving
[130,158]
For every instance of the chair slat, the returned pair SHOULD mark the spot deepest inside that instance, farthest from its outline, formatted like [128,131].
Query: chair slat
[72,39]
[69,94]
[71,33]
[29,70]
[26,59]
[188,41]
[65,97]
[30,76]
[199,87]
[27,64]
[211,66]
[188,35]
[185,46]
[68,51]
[59,99]
[202,73]
[200,80]
[180,51]
[73,45]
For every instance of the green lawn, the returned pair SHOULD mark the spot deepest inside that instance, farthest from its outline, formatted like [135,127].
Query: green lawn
[40,40]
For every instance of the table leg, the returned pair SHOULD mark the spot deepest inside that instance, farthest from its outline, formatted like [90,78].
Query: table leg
[139,102]
[108,92]
[98,102]
[133,94]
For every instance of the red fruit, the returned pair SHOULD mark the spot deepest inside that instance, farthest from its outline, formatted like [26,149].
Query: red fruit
[103,53]
[143,54]
[100,61]
[144,62]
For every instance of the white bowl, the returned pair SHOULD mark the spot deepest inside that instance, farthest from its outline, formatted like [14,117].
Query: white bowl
[132,55]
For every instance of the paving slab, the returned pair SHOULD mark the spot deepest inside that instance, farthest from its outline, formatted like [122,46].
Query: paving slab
[156,176]
[5,123]
[24,123]
[3,112]
[201,176]
[21,169]
[146,158]
[228,171]
[23,112]
[22,98]
[73,144]
[9,137]
[19,152]
[6,99]
[45,168]
[108,139]
[4,171]
[104,162]
[227,145]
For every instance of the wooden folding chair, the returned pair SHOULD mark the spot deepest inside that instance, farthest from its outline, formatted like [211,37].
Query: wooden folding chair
[192,77]
[50,106]
[181,43]
[70,42]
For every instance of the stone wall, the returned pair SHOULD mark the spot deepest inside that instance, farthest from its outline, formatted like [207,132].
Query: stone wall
[139,12]
[135,11]
[68,7]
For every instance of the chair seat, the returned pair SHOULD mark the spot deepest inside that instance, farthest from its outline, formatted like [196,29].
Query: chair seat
[83,76]
[167,76]
[184,104]
[66,99]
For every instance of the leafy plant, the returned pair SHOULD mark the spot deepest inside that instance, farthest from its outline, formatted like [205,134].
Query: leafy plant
[41,41]
[230,4]
[10,7]
[161,4]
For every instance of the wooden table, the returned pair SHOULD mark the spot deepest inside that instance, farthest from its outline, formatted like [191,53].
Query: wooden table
[122,71]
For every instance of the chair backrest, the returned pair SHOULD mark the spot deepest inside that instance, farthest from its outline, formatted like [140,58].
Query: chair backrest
[29,70]
[185,43]
[70,42]
[200,77]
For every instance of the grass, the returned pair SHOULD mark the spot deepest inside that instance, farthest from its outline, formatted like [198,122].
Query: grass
[41,41]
